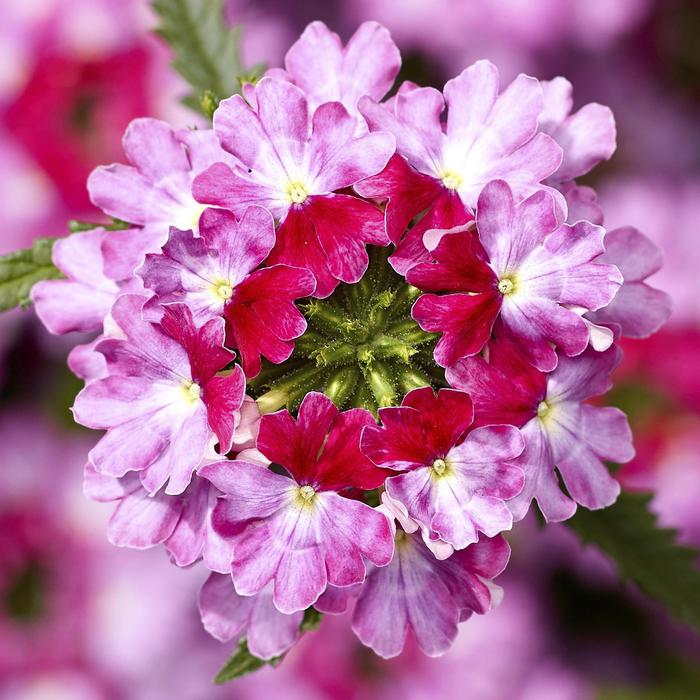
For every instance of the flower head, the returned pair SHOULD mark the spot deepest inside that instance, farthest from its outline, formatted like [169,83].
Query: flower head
[215,274]
[487,135]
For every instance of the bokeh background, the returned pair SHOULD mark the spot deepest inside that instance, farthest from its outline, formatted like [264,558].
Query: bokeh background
[82,620]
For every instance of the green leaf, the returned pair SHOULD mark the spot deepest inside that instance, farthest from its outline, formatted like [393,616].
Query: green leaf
[645,553]
[76,226]
[241,663]
[22,269]
[207,51]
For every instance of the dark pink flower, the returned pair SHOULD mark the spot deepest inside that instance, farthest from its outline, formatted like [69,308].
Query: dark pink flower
[162,398]
[456,481]
[294,163]
[518,265]
[487,135]
[228,616]
[299,532]
[215,275]
[419,592]
[561,431]
[638,309]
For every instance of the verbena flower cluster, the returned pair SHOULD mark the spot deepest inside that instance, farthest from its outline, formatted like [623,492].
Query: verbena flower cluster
[346,340]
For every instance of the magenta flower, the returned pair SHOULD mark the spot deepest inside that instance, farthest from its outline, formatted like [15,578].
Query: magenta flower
[293,164]
[162,398]
[520,266]
[586,137]
[227,616]
[560,430]
[486,136]
[638,309]
[299,532]
[327,71]
[456,481]
[155,191]
[81,302]
[215,275]
[183,523]
[416,591]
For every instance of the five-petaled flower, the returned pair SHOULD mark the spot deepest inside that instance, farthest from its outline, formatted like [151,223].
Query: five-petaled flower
[455,480]
[518,264]
[216,274]
[559,428]
[294,163]
[298,531]
[162,397]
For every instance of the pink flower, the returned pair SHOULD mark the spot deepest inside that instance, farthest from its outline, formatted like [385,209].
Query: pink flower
[327,71]
[182,522]
[215,275]
[229,616]
[299,532]
[486,136]
[521,267]
[586,137]
[416,591]
[638,309]
[293,163]
[560,430]
[155,191]
[456,481]
[81,302]
[161,398]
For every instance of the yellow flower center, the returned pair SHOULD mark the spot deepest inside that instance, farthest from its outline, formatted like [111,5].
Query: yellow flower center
[296,192]
[192,392]
[506,286]
[223,290]
[452,180]
[306,493]
[439,467]
[543,410]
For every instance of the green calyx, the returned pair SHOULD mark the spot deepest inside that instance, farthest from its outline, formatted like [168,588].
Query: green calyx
[361,347]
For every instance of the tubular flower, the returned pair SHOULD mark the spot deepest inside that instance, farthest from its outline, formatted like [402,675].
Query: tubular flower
[216,275]
[419,592]
[299,532]
[161,398]
[518,265]
[487,135]
[456,481]
[293,163]
[560,430]
[420,335]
